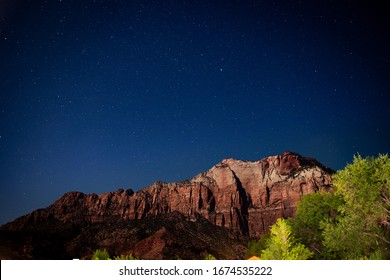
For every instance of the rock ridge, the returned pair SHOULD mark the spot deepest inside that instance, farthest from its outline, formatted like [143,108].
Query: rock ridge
[244,196]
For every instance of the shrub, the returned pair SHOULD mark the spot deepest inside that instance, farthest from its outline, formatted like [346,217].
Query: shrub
[209,257]
[101,255]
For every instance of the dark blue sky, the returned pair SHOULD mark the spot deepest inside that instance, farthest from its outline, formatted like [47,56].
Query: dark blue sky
[100,95]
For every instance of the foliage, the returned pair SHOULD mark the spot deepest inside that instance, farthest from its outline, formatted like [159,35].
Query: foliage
[104,255]
[313,210]
[209,257]
[101,255]
[282,246]
[126,257]
[361,231]
[256,246]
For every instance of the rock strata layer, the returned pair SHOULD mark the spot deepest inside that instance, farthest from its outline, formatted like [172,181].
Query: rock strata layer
[246,197]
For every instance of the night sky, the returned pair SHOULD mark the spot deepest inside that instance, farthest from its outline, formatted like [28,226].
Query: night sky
[101,95]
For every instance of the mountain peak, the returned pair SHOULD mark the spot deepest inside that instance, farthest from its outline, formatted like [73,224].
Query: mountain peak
[230,160]
[289,153]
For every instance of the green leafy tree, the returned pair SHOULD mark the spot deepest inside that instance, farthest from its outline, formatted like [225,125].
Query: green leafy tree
[361,231]
[282,245]
[313,210]
[255,247]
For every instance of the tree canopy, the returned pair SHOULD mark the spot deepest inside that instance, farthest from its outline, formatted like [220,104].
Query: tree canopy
[350,222]
[282,246]
[361,229]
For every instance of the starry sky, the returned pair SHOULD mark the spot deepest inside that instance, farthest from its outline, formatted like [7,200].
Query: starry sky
[101,95]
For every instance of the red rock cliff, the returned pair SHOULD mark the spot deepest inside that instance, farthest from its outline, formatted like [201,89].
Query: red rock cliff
[244,196]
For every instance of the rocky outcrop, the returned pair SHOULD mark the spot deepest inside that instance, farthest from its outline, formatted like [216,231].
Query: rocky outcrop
[246,197]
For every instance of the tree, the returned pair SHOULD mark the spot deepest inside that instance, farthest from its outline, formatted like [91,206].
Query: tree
[361,230]
[255,247]
[282,245]
[313,210]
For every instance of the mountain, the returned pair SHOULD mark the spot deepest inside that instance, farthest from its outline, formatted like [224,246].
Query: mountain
[237,199]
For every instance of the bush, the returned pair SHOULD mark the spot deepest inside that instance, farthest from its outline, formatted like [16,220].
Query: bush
[101,255]
[104,255]
[209,257]
[126,257]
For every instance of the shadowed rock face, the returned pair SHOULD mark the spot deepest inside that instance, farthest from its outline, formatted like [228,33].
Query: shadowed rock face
[166,236]
[246,197]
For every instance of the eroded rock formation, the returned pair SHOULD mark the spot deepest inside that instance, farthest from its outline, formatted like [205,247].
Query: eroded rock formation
[244,196]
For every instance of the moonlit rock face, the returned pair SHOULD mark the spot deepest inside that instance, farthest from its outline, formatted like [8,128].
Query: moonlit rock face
[244,196]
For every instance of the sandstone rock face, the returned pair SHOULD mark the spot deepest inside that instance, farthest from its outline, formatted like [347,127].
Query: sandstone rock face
[244,196]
